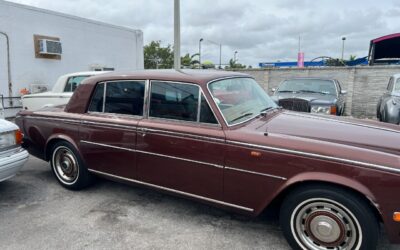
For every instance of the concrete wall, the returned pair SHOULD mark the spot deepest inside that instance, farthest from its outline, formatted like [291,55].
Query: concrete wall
[84,43]
[364,85]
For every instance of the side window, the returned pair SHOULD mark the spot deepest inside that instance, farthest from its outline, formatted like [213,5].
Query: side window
[174,101]
[125,97]
[96,104]
[73,82]
[206,114]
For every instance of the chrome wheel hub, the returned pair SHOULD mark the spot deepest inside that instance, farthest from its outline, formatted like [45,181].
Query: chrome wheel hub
[65,165]
[324,224]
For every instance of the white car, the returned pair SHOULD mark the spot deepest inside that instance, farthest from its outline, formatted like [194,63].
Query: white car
[60,94]
[12,155]
[1,110]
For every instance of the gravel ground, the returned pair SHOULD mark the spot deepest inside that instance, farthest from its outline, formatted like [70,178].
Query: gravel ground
[37,213]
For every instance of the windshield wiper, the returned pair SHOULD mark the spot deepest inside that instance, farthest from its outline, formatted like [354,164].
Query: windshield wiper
[265,109]
[312,91]
[242,116]
[286,91]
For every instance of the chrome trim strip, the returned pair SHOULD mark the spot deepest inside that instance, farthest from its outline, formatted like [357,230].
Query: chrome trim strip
[173,190]
[54,119]
[104,97]
[318,156]
[340,121]
[108,146]
[256,173]
[184,135]
[110,125]
[181,159]
[146,101]
[151,153]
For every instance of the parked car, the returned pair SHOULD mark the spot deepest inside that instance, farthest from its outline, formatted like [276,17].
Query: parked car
[12,156]
[60,94]
[217,137]
[388,108]
[312,95]
[2,116]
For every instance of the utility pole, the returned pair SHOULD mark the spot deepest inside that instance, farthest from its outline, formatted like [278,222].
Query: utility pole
[201,39]
[343,39]
[177,35]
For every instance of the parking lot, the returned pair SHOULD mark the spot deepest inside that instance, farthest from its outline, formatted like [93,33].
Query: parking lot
[37,213]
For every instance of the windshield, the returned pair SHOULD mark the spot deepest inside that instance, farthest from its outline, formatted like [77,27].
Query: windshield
[240,99]
[308,85]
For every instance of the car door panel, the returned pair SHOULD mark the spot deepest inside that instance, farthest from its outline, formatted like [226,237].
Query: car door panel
[107,143]
[181,156]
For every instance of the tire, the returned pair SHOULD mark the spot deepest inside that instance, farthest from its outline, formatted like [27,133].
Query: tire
[68,167]
[327,217]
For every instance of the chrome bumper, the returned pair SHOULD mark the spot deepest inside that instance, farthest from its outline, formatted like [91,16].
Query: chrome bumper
[11,161]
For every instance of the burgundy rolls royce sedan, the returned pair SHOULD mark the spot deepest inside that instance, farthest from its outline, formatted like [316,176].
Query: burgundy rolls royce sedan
[217,137]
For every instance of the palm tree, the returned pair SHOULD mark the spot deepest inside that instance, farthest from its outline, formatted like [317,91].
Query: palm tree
[188,61]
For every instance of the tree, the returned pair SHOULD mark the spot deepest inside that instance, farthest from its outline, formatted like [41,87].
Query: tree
[352,57]
[234,65]
[157,57]
[208,65]
[188,61]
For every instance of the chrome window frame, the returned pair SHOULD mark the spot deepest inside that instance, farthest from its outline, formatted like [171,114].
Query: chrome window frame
[223,117]
[104,99]
[197,122]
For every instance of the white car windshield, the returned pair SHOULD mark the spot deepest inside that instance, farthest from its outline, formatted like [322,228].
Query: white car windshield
[240,99]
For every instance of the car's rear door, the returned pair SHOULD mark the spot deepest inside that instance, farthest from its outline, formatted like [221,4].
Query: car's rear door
[181,145]
[109,129]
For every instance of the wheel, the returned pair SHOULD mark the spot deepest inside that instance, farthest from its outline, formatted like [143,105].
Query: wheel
[68,167]
[327,217]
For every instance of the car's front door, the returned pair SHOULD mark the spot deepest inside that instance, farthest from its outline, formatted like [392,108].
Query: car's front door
[108,130]
[181,145]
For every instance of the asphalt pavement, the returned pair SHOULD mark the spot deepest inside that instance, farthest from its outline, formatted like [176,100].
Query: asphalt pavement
[37,213]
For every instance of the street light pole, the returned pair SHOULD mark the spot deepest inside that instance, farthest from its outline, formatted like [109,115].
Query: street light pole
[343,39]
[201,39]
[177,35]
[234,57]
[220,51]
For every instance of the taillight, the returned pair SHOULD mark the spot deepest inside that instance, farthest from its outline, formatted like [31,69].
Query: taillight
[19,136]
[333,110]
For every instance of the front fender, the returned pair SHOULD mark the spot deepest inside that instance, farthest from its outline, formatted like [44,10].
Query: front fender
[322,177]
[391,112]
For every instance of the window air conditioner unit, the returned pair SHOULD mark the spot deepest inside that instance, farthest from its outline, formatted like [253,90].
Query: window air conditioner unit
[49,47]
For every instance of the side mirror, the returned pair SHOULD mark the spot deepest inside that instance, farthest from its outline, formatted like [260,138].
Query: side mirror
[343,92]
[273,90]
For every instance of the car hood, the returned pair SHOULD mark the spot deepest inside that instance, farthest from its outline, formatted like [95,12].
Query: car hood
[329,136]
[313,98]
[6,126]
[47,94]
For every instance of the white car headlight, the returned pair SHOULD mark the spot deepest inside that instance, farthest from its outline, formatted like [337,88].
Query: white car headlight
[327,110]
[7,139]
[10,139]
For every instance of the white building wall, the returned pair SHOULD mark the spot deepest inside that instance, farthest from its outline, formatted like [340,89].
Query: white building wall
[84,43]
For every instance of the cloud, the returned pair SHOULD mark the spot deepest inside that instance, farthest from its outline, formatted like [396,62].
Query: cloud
[259,30]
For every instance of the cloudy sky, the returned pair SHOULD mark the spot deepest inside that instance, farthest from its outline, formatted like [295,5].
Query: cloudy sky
[260,30]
